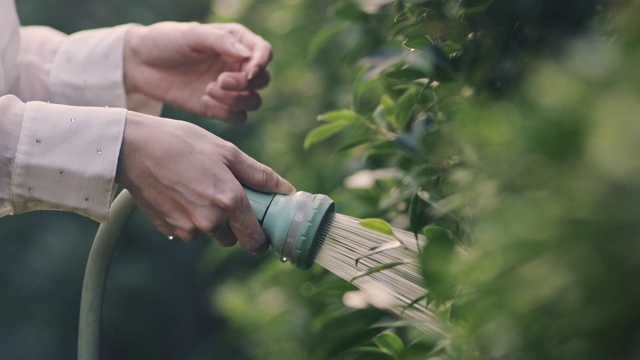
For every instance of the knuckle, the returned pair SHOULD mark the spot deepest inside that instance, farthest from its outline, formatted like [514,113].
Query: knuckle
[237,27]
[188,234]
[229,201]
[207,225]
[230,151]
[267,176]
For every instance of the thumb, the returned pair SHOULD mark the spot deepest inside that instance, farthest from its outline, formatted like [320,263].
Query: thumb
[259,176]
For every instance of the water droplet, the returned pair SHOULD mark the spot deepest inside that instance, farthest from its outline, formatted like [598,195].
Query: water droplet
[170,237]
[38,141]
[284,259]
[61,172]
[86,199]
[73,120]
[30,189]
[99,151]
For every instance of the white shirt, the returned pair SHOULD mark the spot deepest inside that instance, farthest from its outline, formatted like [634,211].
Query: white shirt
[62,116]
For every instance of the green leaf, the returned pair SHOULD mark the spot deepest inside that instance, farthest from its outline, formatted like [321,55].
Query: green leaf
[450,48]
[379,268]
[416,207]
[380,248]
[324,131]
[409,29]
[405,106]
[349,10]
[417,42]
[341,115]
[415,301]
[436,262]
[378,225]
[390,342]
[387,102]
[475,5]
[384,148]
[404,74]
[353,144]
[438,234]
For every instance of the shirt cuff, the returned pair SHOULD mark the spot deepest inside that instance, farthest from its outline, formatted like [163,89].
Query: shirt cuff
[87,69]
[67,159]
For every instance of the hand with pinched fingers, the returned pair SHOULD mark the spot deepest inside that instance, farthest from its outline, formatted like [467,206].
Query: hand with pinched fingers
[213,70]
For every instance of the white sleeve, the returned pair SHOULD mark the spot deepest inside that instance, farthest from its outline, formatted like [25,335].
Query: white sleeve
[66,157]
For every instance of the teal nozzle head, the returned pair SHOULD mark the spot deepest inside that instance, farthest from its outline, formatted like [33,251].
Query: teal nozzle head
[294,224]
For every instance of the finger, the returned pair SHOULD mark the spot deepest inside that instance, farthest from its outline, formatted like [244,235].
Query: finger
[169,226]
[153,215]
[225,237]
[232,201]
[260,80]
[207,38]
[258,176]
[181,226]
[215,109]
[262,52]
[244,224]
[213,222]
[237,100]
[238,81]
[162,226]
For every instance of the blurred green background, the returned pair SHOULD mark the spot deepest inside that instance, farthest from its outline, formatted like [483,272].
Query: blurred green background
[505,131]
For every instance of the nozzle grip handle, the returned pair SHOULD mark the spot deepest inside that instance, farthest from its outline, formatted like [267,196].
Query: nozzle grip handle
[259,202]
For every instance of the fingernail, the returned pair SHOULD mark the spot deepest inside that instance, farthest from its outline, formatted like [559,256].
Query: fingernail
[287,188]
[241,49]
[263,249]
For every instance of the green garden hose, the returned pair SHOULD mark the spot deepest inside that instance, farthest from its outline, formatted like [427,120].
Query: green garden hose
[294,224]
[95,276]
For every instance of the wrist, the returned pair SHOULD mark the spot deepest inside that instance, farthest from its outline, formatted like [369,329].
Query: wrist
[130,139]
[131,59]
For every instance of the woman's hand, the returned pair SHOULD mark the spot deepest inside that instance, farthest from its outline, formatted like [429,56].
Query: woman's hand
[209,69]
[188,181]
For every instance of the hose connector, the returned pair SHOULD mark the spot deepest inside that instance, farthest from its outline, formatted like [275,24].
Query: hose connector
[294,224]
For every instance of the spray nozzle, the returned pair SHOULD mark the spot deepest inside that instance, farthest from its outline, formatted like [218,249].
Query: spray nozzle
[294,224]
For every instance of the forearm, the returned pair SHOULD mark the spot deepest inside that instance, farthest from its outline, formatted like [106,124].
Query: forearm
[84,69]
